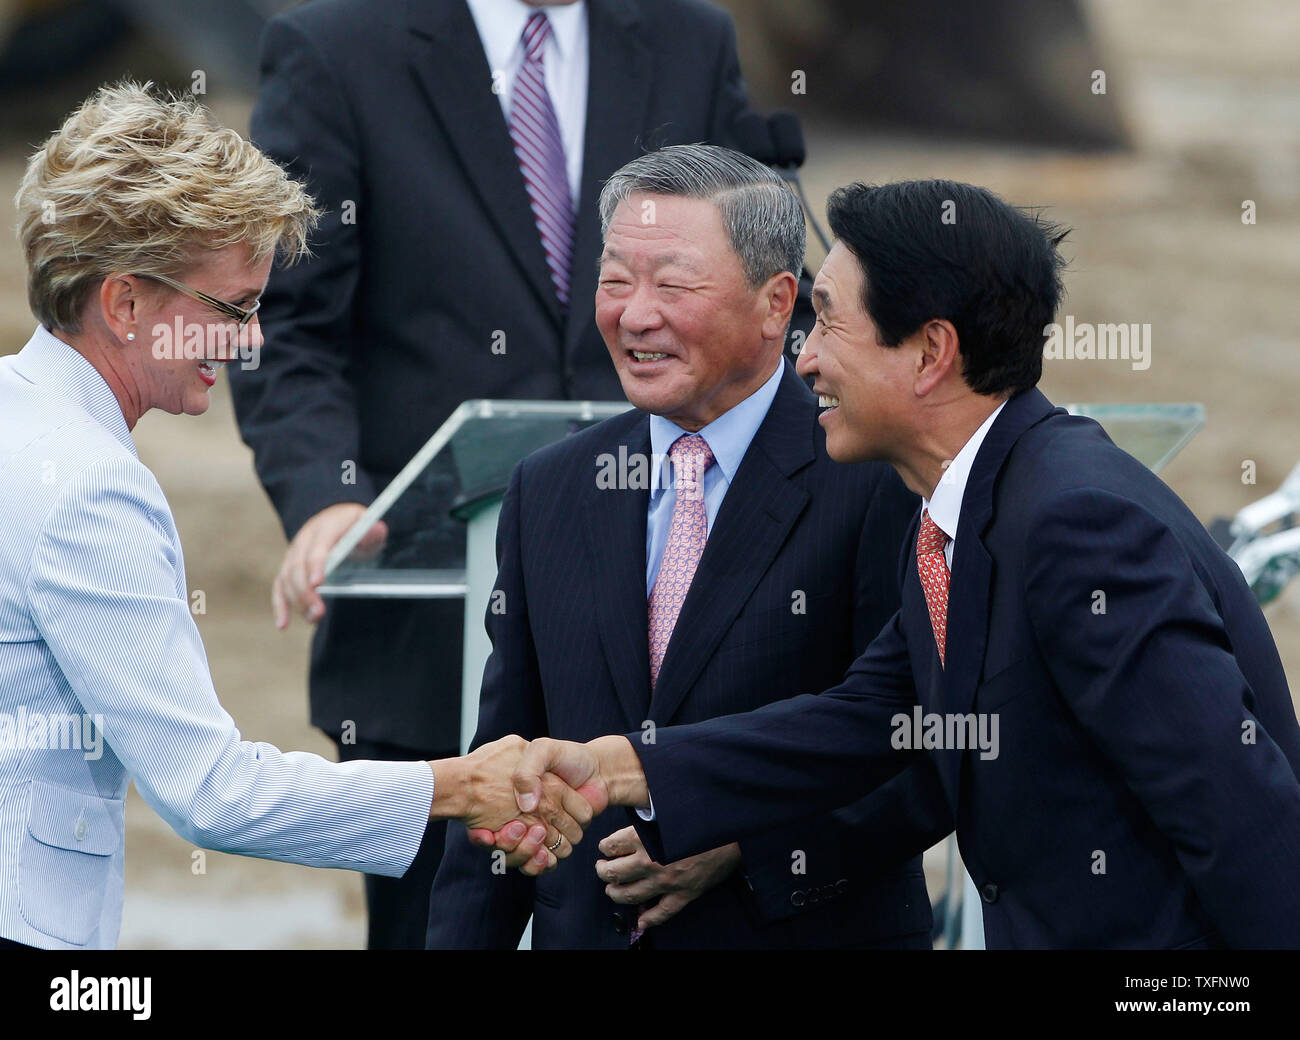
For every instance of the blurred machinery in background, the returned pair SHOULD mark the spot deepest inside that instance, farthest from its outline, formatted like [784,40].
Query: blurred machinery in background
[1018,71]
[53,53]
[1010,70]
[1264,539]
[42,41]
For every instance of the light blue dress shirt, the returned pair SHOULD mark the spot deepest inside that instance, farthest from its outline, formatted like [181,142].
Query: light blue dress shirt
[96,636]
[728,437]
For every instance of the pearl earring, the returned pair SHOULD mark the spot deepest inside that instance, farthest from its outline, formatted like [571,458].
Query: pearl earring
[130,335]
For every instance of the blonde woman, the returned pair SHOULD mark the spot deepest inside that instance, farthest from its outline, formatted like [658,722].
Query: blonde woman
[149,233]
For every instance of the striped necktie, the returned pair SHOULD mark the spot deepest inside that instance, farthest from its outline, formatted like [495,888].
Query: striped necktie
[540,150]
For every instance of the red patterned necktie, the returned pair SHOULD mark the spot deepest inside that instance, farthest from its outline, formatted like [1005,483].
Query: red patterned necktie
[687,532]
[933,570]
[540,150]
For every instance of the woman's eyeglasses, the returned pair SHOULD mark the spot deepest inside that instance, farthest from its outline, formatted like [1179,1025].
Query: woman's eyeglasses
[239,314]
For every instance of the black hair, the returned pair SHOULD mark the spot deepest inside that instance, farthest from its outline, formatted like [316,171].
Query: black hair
[941,249]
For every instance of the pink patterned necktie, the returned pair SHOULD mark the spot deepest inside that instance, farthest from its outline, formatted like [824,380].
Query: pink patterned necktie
[540,150]
[932,568]
[687,532]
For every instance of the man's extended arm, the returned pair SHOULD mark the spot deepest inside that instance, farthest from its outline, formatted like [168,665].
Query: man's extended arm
[878,833]
[736,775]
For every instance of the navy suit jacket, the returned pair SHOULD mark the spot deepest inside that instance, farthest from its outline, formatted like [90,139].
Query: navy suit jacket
[570,660]
[1145,789]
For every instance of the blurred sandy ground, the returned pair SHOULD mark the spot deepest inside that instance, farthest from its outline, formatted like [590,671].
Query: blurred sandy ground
[1212,92]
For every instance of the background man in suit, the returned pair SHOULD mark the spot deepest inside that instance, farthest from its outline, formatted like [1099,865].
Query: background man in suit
[457,149]
[1142,788]
[766,568]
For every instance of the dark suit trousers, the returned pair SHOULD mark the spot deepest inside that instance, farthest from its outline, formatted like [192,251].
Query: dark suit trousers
[398,908]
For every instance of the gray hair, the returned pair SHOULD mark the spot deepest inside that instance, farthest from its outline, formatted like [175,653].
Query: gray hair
[760,213]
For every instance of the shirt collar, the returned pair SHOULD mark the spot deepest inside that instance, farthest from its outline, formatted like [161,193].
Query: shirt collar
[50,363]
[501,27]
[944,506]
[728,436]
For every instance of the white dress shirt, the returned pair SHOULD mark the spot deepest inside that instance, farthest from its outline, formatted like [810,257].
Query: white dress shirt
[95,625]
[944,506]
[501,28]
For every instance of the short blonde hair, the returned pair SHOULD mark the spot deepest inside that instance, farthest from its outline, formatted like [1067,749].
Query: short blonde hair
[140,182]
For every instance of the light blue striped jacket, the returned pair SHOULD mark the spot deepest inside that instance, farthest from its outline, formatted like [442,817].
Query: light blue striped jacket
[96,637]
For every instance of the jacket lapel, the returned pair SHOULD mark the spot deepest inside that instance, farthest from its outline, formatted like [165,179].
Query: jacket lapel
[615,520]
[447,58]
[971,583]
[618,91]
[754,521]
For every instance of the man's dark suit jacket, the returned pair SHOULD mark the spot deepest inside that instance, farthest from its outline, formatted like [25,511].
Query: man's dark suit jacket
[1145,792]
[428,262]
[799,572]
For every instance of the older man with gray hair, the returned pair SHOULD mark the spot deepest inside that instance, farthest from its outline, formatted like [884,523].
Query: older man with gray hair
[698,556]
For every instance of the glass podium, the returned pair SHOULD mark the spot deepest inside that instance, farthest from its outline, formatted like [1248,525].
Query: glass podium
[484,439]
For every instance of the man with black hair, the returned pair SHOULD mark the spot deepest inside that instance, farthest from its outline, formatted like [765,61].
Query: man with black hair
[1099,688]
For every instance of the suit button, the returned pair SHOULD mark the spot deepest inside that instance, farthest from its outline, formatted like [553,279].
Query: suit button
[798,898]
[989,892]
[620,923]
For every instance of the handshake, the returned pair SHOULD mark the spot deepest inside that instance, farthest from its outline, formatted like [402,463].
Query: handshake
[533,801]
